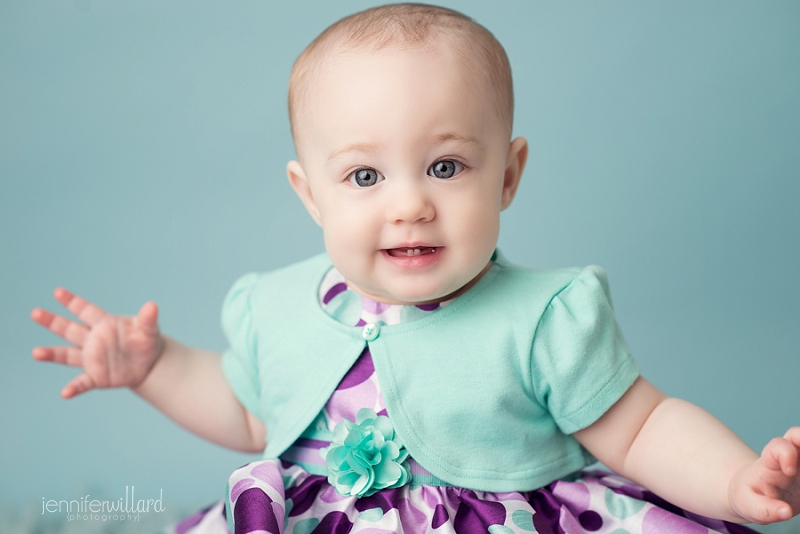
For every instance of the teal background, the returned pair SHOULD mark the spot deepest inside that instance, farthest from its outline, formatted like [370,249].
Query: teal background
[142,155]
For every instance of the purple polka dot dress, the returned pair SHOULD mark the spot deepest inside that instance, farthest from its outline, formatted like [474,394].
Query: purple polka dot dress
[292,495]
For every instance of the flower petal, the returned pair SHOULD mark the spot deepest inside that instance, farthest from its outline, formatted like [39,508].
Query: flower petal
[384,426]
[387,473]
[363,483]
[365,414]
[366,456]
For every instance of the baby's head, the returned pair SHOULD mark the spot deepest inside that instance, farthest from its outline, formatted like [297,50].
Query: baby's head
[407,26]
[401,117]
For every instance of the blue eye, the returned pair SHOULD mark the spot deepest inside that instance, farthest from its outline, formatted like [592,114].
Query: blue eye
[365,177]
[446,168]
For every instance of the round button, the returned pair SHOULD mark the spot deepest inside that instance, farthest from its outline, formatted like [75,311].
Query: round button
[371,332]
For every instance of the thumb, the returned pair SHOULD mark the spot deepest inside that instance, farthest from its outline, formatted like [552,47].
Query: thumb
[80,384]
[763,510]
[147,318]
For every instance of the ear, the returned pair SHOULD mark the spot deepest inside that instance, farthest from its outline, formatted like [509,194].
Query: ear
[299,180]
[515,163]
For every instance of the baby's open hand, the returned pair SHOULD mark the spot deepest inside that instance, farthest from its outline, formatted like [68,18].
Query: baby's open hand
[768,490]
[113,351]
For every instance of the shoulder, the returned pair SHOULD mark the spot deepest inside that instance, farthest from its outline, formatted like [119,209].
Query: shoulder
[305,272]
[521,283]
[286,284]
[587,287]
[529,295]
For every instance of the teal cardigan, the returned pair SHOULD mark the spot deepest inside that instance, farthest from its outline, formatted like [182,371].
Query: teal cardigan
[484,393]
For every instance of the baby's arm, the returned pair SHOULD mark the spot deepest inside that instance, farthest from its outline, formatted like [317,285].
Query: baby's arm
[188,386]
[687,456]
[117,351]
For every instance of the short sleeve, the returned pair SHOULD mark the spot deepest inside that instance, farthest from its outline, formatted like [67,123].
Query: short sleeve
[581,364]
[239,362]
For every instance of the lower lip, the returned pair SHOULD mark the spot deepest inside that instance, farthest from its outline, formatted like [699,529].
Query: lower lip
[414,262]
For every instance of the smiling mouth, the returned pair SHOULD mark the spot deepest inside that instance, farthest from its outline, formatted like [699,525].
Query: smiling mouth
[408,252]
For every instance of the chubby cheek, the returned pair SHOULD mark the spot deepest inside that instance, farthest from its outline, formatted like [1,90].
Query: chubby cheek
[484,240]
[350,243]
[342,240]
[343,223]
[478,226]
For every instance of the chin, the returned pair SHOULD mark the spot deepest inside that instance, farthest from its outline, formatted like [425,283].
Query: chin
[417,296]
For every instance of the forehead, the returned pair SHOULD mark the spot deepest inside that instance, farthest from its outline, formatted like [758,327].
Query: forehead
[394,93]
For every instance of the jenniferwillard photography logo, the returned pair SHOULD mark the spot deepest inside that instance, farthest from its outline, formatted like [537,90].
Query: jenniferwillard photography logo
[86,508]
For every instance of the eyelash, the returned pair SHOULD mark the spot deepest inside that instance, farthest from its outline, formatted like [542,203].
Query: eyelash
[456,171]
[352,176]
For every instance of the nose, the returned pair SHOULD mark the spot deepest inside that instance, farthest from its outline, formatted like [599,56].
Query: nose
[409,202]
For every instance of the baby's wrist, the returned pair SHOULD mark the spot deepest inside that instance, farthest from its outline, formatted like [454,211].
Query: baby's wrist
[161,348]
[736,485]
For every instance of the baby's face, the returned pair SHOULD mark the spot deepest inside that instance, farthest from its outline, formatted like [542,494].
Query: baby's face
[406,166]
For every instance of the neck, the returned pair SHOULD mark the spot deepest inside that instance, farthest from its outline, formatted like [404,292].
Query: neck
[450,296]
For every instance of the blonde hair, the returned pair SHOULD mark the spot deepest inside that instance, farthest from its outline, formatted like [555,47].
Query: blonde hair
[409,25]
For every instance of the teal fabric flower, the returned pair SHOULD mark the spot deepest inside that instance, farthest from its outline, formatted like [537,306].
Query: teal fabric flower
[366,456]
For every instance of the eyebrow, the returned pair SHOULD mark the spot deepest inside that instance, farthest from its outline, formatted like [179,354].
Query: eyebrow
[355,147]
[437,140]
[468,139]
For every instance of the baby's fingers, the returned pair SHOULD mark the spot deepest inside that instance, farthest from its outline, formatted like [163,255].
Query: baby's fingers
[763,510]
[80,384]
[73,332]
[780,454]
[147,318]
[82,309]
[63,355]
[793,435]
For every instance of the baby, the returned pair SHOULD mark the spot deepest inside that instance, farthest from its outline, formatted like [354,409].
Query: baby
[411,379]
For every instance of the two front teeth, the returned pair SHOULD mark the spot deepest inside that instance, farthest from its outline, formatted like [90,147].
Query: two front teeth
[417,252]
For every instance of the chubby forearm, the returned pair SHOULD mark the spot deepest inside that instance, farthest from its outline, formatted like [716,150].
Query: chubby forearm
[188,386]
[672,447]
[687,456]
